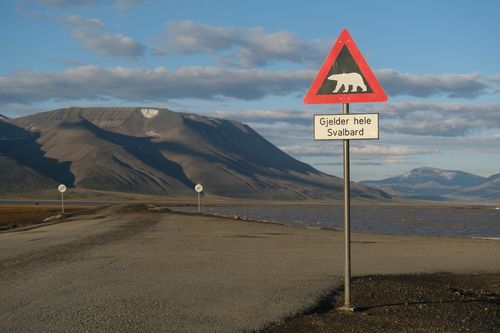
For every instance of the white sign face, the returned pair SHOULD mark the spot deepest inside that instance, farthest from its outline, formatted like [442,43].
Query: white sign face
[198,188]
[61,188]
[360,126]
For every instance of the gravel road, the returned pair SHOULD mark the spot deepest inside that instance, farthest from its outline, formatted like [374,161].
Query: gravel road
[124,268]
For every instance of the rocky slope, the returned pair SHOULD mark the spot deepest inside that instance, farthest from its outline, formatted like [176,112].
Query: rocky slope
[437,184]
[159,151]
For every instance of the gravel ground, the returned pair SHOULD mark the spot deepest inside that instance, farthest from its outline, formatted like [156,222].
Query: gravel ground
[407,303]
[125,268]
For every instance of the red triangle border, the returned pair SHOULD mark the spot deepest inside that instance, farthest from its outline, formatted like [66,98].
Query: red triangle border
[378,94]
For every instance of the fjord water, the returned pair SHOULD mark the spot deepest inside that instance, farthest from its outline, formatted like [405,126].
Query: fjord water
[445,221]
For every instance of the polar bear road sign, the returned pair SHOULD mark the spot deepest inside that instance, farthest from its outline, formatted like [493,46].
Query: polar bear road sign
[345,77]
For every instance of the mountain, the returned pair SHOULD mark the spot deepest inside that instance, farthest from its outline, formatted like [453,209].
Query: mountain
[489,190]
[495,179]
[157,151]
[23,166]
[436,184]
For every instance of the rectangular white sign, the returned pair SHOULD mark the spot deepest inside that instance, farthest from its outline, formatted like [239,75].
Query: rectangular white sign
[359,126]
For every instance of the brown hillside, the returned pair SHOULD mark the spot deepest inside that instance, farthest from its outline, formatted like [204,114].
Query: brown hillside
[164,152]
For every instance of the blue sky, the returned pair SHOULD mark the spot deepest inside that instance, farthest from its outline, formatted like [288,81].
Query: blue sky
[253,61]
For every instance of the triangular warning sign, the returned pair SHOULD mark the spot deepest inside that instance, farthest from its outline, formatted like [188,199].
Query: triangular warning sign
[345,77]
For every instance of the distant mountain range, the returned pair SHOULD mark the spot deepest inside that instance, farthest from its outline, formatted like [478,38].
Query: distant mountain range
[155,151]
[441,185]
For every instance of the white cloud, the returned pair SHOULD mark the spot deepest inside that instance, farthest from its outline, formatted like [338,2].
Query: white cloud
[261,47]
[450,85]
[359,151]
[116,45]
[393,150]
[94,35]
[395,160]
[251,46]
[158,84]
[269,115]
[413,118]
[495,78]
[79,23]
[93,82]
[311,149]
[283,132]
[187,37]
[257,47]
[479,143]
[402,110]
[440,119]
[437,126]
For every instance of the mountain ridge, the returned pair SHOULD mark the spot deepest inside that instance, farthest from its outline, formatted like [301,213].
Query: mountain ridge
[428,183]
[158,151]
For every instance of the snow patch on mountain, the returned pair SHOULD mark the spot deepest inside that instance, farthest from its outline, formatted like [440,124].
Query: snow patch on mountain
[150,113]
[448,174]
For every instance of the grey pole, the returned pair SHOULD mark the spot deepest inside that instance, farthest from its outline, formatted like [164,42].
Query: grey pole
[199,203]
[347,222]
[62,202]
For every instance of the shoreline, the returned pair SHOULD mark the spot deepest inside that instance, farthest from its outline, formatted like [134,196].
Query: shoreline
[79,209]
[418,231]
[85,195]
[246,219]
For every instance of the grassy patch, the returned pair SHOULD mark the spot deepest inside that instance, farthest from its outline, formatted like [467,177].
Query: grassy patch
[20,216]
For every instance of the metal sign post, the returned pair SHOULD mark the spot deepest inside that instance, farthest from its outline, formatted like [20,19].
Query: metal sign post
[347,222]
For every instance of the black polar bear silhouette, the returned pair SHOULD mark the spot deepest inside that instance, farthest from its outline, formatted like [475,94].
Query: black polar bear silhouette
[346,80]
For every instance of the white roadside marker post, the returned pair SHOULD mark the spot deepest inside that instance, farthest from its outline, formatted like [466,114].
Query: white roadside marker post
[62,188]
[199,188]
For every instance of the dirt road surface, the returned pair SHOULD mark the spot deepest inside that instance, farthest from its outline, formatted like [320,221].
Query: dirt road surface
[124,268]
